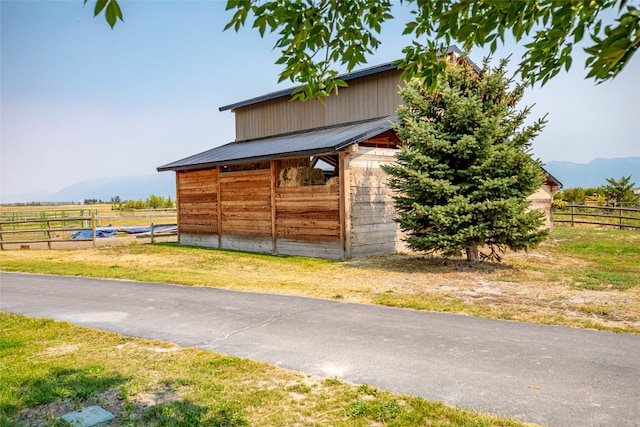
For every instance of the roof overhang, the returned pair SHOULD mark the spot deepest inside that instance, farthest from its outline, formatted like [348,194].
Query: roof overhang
[552,179]
[329,139]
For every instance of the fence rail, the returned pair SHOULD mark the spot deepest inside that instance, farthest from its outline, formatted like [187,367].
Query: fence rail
[62,229]
[608,216]
[23,227]
[24,214]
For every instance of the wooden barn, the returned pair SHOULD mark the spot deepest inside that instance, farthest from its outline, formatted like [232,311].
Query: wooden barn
[302,178]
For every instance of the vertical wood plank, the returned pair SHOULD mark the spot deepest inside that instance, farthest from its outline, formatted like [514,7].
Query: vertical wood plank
[347,198]
[345,204]
[48,234]
[93,228]
[219,206]
[274,183]
[620,214]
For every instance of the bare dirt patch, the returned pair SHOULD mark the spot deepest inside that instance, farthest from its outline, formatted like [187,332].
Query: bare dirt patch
[130,409]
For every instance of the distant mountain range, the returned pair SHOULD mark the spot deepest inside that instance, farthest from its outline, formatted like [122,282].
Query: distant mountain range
[594,173]
[126,187]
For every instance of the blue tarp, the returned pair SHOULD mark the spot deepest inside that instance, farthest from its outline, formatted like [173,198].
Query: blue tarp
[138,230]
[88,234]
[111,231]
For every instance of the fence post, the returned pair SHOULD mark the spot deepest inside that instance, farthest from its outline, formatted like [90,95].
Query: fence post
[93,229]
[1,244]
[152,237]
[48,234]
[572,211]
[620,217]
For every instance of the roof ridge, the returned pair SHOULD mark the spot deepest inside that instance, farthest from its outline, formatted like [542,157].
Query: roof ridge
[303,131]
[367,71]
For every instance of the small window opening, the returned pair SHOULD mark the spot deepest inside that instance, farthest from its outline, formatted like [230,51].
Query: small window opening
[306,171]
[246,167]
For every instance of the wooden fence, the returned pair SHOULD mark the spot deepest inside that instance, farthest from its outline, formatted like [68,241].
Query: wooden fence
[42,230]
[62,229]
[620,217]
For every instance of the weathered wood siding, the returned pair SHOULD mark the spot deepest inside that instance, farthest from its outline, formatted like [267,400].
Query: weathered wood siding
[198,202]
[372,212]
[541,200]
[372,227]
[368,97]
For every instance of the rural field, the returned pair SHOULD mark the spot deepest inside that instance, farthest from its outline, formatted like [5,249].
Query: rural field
[34,226]
[580,277]
[9,212]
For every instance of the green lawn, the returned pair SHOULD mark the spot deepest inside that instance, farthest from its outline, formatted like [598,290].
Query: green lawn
[49,368]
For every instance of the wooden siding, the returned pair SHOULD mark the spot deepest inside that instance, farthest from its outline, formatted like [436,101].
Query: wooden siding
[353,219]
[256,215]
[245,203]
[373,229]
[310,213]
[197,202]
[541,200]
[365,98]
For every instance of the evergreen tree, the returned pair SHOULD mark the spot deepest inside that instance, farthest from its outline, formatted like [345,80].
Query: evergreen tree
[621,190]
[463,171]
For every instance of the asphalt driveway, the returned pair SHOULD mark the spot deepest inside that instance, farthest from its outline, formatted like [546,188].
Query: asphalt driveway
[543,374]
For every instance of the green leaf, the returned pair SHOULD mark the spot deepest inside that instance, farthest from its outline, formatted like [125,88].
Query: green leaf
[578,33]
[100,4]
[410,28]
[340,83]
[235,4]
[567,62]
[113,13]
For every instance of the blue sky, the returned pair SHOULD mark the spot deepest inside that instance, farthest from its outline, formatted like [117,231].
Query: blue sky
[80,101]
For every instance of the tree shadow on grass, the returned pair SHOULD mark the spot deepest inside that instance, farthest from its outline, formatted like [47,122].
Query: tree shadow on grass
[420,264]
[186,414]
[42,400]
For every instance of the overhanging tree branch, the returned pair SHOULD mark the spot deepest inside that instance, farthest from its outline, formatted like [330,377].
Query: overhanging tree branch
[348,31]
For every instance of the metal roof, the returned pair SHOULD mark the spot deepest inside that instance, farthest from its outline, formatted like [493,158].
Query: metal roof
[345,77]
[552,178]
[314,141]
[289,91]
